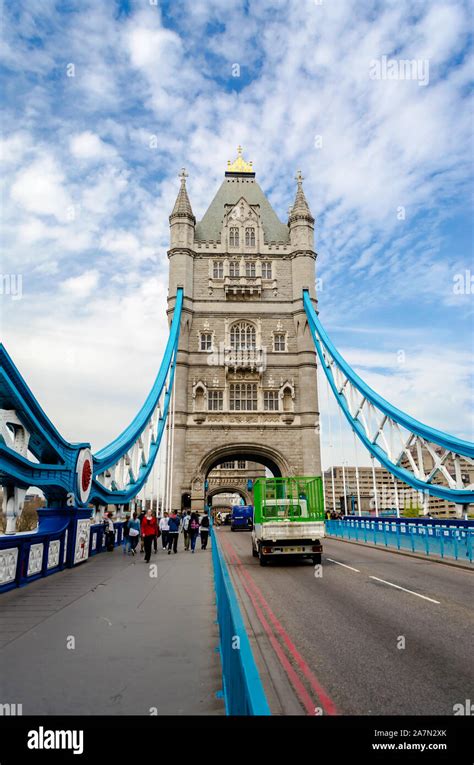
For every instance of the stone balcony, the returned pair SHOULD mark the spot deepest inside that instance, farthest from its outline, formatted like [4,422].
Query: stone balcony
[253,359]
[235,286]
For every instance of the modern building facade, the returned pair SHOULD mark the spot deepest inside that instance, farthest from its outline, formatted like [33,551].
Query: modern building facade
[246,369]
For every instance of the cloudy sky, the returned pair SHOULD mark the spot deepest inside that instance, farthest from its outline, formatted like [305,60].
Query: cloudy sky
[105,101]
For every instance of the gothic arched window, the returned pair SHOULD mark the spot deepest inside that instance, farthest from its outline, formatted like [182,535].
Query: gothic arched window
[250,237]
[234,236]
[243,336]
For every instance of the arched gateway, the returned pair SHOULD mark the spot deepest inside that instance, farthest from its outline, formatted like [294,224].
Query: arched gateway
[246,370]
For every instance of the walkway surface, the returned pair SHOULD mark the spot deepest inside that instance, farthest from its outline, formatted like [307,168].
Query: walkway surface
[141,642]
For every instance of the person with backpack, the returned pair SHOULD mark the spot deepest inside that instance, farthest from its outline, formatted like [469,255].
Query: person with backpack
[193,530]
[133,534]
[185,527]
[164,528]
[149,530]
[173,532]
[204,530]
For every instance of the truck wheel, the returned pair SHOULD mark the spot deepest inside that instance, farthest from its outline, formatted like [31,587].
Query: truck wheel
[254,552]
[263,559]
[232,528]
[316,559]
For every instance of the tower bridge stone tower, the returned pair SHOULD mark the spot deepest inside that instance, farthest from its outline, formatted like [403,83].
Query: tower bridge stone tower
[246,369]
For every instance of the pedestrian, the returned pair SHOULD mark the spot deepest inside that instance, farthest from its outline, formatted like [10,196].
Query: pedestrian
[109,531]
[148,529]
[125,532]
[155,539]
[141,516]
[193,530]
[133,533]
[204,530]
[173,532]
[185,527]
[164,528]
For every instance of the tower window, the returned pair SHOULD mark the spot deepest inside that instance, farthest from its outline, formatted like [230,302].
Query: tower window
[218,269]
[234,236]
[250,237]
[215,400]
[206,341]
[243,336]
[266,270]
[234,268]
[243,397]
[270,401]
[250,269]
[279,342]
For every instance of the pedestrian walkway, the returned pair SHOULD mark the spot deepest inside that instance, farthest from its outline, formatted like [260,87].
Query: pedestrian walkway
[107,637]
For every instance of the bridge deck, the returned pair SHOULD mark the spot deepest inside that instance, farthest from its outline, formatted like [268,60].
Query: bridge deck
[140,642]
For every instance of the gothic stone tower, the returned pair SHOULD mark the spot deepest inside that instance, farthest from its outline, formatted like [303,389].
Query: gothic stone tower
[246,370]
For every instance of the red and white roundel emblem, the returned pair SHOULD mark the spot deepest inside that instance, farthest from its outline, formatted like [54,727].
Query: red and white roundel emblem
[84,474]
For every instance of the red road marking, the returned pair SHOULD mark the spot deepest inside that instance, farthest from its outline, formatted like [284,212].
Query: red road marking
[327,704]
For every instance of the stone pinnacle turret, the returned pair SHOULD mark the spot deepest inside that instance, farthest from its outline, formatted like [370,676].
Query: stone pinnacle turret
[182,207]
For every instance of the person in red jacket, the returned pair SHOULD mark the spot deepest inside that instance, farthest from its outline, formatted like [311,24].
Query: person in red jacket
[149,531]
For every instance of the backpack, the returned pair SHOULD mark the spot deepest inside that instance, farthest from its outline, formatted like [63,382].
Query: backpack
[205,522]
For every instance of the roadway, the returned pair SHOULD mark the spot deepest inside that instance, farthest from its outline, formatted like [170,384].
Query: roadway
[378,633]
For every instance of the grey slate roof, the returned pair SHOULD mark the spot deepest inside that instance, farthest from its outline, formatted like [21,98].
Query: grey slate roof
[229,193]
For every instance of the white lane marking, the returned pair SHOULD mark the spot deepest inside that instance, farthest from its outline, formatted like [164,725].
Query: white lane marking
[343,564]
[405,590]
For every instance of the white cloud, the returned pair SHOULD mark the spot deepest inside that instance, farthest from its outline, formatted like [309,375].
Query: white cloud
[39,189]
[88,145]
[81,286]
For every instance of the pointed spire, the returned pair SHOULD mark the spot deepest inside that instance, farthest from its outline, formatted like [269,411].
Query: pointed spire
[182,207]
[300,208]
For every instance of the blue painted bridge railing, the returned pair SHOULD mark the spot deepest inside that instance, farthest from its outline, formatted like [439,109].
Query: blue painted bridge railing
[243,689]
[441,540]
[61,541]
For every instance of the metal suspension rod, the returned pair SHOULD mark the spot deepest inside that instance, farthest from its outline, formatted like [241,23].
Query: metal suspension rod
[343,460]
[375,487]
[359,506]
[173,411]
[320,441]
[331,447]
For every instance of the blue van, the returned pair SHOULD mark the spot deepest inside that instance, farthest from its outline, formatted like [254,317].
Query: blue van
[241,517]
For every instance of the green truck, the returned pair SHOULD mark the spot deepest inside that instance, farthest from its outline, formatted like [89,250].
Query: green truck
[288,518]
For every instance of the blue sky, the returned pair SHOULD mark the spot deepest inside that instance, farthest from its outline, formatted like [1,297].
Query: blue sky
[90,166]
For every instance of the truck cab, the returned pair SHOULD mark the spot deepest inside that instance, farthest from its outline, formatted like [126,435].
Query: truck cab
[288,518]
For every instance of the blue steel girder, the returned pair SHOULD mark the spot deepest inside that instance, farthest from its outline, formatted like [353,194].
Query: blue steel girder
[439,446]
[142,438]
[55,468]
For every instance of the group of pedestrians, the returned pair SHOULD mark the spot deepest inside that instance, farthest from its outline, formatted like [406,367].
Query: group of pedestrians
[147,529]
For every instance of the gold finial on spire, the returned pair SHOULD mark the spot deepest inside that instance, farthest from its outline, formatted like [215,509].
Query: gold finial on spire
[183,175]
[239,165]
[299,177]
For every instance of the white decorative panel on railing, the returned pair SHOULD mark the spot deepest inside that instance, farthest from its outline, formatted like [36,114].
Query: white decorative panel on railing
[35,559]
[8,561]
[81,549]
[53,553]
